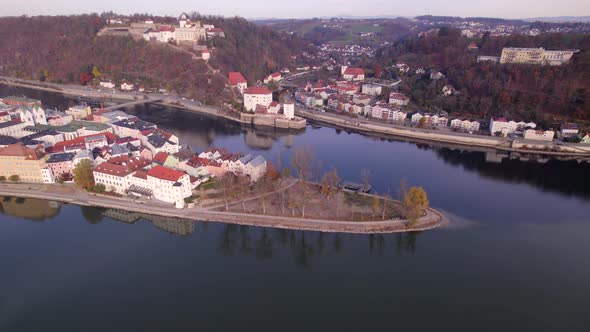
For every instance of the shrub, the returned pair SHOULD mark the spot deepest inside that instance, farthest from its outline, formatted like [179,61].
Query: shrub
[14,178]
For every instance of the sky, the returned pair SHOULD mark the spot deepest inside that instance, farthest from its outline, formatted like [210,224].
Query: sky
[304,8]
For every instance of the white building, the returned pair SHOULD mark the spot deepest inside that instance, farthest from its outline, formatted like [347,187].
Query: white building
[116,174]
[237,80]
[371,89]
[465,125]
[397,98]
[430,120]
[289,110]
[569,130]
[169,185]
[79,111]
[107,84]
[257,96]
[352,74]
[47,175]
[501,126]
[539,135]
[126,86]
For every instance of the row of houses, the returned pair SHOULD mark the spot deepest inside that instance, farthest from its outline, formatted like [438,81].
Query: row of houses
[129,155]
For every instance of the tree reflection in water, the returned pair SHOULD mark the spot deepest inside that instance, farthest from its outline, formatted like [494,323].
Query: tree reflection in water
[304,245]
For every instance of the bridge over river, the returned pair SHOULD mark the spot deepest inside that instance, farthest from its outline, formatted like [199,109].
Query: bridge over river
[135,102]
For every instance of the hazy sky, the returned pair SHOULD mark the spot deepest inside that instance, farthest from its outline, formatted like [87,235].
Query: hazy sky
[305,8]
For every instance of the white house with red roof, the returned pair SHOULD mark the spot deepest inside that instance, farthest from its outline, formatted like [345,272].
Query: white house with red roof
[274,77]
[206,54]
[116,173]
[257,96]
[169,185]
[352,74]
[237,80]
[398,98]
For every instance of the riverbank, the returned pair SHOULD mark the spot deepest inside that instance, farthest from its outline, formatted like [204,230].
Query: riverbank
[164,100]
[70,195]
[496,143]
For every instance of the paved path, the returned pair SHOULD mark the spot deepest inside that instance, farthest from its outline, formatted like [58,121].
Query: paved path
[431,220]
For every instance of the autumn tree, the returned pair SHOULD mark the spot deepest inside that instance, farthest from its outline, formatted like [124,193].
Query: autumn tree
[96,72]
[83,175]
[330,182]
[416,202]
[375,205]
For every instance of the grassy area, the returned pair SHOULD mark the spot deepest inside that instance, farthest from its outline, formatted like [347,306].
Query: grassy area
[360,28]
[209,184]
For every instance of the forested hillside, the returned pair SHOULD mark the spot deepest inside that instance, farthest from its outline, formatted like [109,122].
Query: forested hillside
[65,49]
[540,93]
[254,50]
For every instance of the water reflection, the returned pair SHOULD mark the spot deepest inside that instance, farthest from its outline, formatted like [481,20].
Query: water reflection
[29,209]
[304,246]
[567,177]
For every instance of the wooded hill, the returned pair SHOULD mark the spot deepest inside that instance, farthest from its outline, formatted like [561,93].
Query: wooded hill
[66,49]
[539,93]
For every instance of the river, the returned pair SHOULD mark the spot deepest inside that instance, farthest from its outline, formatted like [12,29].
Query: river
[514,257]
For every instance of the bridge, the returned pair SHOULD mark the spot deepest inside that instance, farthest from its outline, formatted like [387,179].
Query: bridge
[133,103]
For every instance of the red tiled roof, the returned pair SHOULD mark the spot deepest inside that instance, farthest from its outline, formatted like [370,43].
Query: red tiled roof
[197,162]
[235,78]
[4,113]
[398,96]
[354,71]
[161,157]
[133,163]
[80,141]
[20,150]
[214,163]
[258,90]
[164,173]
[113,169]
[141,174]
[274,104]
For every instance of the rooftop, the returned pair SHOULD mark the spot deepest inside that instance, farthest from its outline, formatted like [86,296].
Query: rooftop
[258,90]
[164,173]
[61,157]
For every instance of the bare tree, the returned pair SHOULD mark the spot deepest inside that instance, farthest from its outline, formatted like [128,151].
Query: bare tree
[403,191]
[385,198]
[227,187]
[303,163]
[243,186]
[264,186]
[366,178]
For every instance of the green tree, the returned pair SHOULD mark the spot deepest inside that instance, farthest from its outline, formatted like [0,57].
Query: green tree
[99,188]
[83,176]
[14,178]
[3,178]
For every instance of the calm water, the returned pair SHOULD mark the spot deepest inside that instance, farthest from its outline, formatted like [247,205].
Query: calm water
[515,257]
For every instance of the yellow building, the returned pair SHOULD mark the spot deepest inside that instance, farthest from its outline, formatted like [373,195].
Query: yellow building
[27,163]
